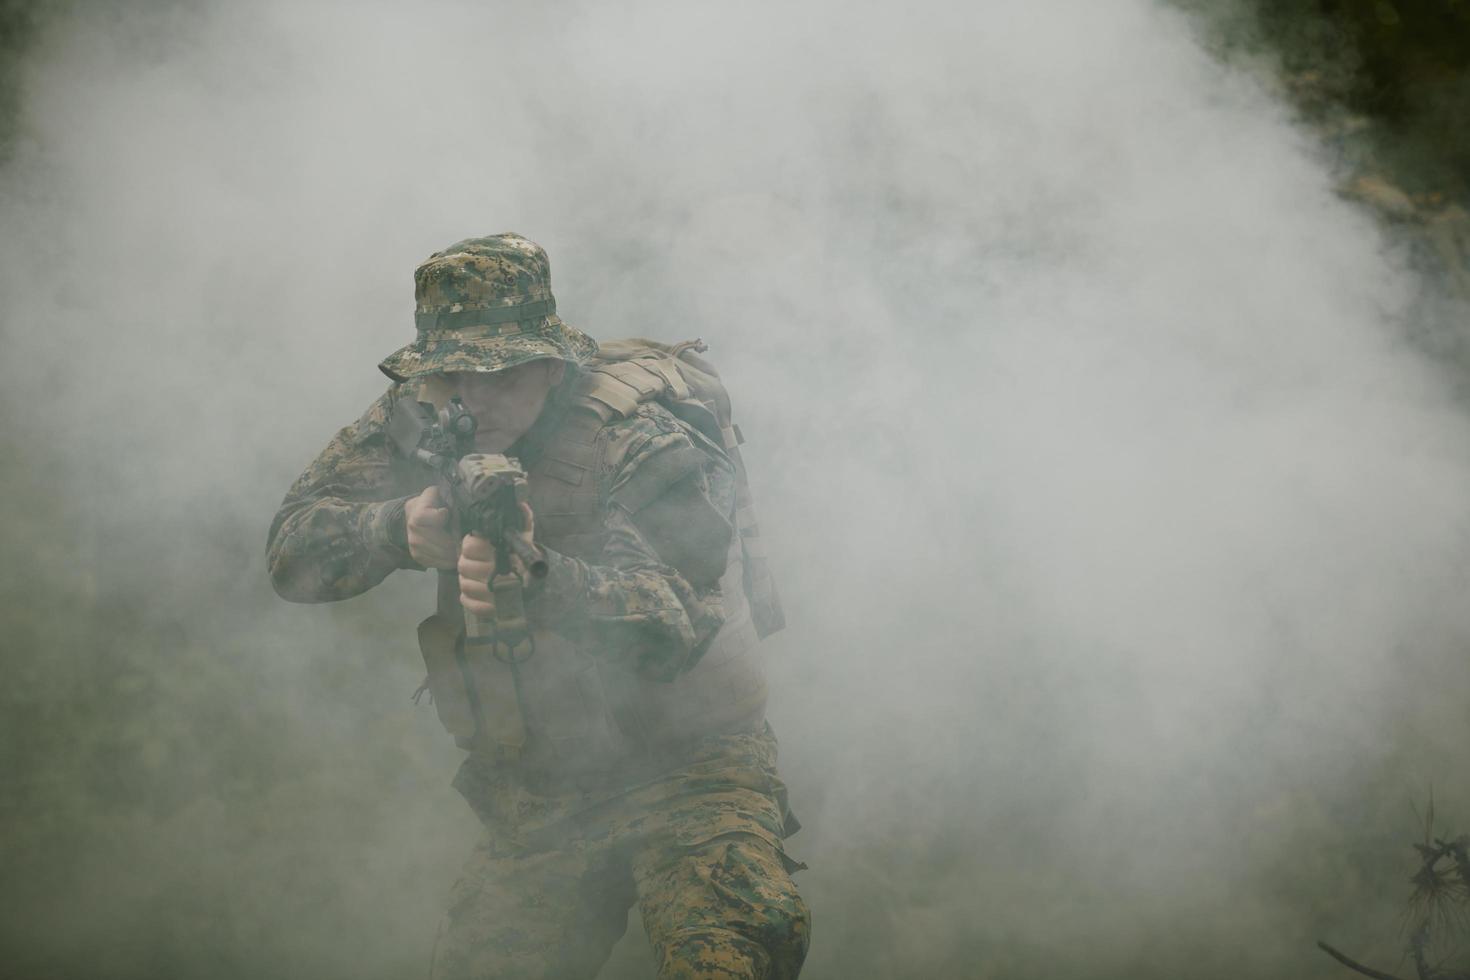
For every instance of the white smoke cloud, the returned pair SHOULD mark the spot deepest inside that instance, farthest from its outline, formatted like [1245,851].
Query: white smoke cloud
[1122,533]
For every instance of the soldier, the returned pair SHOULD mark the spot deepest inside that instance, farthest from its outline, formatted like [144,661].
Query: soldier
[627,757]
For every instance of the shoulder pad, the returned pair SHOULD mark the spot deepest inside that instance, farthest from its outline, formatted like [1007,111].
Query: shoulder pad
[615,389]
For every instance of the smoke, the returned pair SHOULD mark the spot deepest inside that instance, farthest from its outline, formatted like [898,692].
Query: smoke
[1123,535]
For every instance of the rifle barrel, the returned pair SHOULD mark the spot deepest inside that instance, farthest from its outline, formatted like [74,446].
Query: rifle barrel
[535,563]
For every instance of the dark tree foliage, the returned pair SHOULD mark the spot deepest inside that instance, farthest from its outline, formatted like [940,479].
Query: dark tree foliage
[18,24]
[1402,64]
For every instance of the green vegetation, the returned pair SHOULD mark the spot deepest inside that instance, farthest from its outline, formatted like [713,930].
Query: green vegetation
[1402,66]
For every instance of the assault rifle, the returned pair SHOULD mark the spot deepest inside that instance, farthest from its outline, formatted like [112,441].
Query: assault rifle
[484,493]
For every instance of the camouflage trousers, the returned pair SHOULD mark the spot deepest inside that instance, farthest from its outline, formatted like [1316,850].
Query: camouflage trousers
[546,892]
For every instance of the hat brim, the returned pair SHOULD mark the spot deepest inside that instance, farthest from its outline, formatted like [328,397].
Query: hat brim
[464,351]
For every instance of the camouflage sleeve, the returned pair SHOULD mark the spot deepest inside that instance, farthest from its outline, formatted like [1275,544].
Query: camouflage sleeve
[338,532]
[653,600]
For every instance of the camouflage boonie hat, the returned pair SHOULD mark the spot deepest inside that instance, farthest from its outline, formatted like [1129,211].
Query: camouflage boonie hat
[485,304]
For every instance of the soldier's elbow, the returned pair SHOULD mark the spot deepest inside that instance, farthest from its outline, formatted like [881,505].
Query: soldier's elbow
[292,580]
[286,584]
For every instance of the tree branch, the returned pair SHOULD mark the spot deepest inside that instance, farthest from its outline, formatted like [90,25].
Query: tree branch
[1353,964]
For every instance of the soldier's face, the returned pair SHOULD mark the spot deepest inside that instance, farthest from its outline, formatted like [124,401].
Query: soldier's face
[505,403]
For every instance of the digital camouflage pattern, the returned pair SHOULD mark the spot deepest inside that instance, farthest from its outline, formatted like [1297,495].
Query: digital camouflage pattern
[633,581]
[331,536]
[467,301]
[331,539]
[695,841]
[690,829]
[547,891]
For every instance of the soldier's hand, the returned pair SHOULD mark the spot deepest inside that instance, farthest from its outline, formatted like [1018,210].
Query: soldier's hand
[426,519]
[477,565]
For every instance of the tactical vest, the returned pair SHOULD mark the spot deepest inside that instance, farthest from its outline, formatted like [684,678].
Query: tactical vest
[566,710]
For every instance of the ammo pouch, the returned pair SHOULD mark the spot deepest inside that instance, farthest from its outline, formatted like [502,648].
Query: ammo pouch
[474,693]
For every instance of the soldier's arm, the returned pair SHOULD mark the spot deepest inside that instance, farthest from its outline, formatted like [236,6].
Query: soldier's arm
[653,600]
[340,530]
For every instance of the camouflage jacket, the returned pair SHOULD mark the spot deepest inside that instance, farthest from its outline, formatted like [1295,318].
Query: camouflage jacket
[338,533]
